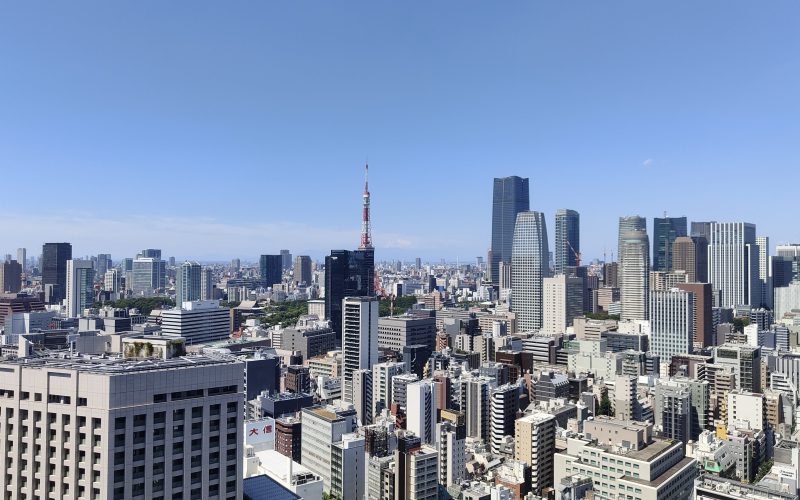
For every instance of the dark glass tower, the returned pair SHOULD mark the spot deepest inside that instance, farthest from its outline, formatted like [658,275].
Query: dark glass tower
[568,239]
[348,273]
[271,267]
[511,196]
[54,270]
[665,230]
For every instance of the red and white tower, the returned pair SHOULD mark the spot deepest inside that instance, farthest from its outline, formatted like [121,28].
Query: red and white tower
[366,227]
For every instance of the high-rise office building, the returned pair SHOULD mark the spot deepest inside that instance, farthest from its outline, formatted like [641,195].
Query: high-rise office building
[149,275]
[122,428]
[764,281]
[733,263]
[529,267]
[511,196]
[665,231]
[321,426]
[271,267]
[112,282]
[690,254]
[348,467]
[397,332]
[54,270]
[103,264]
[477,407]
[10,277]
[627,224]
[671,323]
[149,253]
[568,239]
[188,283]
[359,339]
[80,287]
[562,300]
[421,410]
[22,258]
[286,260]
[703,315]
[206,284]
[701,229]
[302,270]
[198,322]
[382,377]
[535,444]
[348,273]
[634,274]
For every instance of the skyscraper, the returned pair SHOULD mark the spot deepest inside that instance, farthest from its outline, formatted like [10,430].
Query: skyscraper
[634,274]
[733,263]
[103,264]
[348,273]
[286,260]
[764,282]
[112,282]
[627,224]
[672,323]
[511,196]
[568,242]
[690,254]
[188,283]
[359,339]
[149,275]
[504,405]
[80,290]
[22,258]
[665,230]
[302,270]
[529,267]
[206,284]
[271,267]
[10,277]
[562,300]
[54,270]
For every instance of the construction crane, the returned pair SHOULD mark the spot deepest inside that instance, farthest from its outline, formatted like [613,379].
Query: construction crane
[577,254]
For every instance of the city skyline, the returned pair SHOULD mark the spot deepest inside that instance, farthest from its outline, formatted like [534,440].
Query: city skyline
[480,92]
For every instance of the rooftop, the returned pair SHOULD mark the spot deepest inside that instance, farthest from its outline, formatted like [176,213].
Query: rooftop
[112,366]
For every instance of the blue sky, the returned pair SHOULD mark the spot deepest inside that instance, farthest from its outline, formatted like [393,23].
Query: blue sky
[222,129]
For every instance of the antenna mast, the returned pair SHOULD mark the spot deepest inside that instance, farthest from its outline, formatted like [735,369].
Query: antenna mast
[366,227]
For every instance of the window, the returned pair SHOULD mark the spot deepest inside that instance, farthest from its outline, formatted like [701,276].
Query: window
[139,420]
[178,414]
[197,412]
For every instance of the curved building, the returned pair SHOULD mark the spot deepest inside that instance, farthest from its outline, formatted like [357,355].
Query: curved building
[634,274]
[529,267]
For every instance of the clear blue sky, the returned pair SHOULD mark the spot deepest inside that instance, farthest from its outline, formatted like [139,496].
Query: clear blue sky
[222,129]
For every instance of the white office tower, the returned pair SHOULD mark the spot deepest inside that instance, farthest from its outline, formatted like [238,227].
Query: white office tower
[321,427]
[187,283]
[504,402]
[199,322]
[80,287]
[22,258]
[535,444]
[421,410]
[348,467]
[733,263]
[634,274]
[112,282]
[764,278]
[671,323]
[102,428]
[529,267]
[452,452]
[359,339]
[206,284]
[562,302]
[382,375]
[362,395]
[628,224]
[787,298]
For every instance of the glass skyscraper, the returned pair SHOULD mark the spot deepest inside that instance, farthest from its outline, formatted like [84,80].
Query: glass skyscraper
[665,231]
[567,235]
[188,283]
[529,267]
[54,270]
[271,267]
[348,273]
[511,196]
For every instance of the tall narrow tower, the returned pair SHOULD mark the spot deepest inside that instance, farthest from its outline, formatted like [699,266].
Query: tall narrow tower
[366,227]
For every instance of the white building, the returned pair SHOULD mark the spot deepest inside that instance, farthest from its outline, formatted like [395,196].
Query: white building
[382,375]
[671,323]
[348,467]
[80,287]
[112,282]
[359,339]
[733,263]
[745,410]
[113,428]
[786,298]
[634,274]
[452,452]
[421,410]
[534,444]
[200,321]
[529,267]
[562,302]
[321,427]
